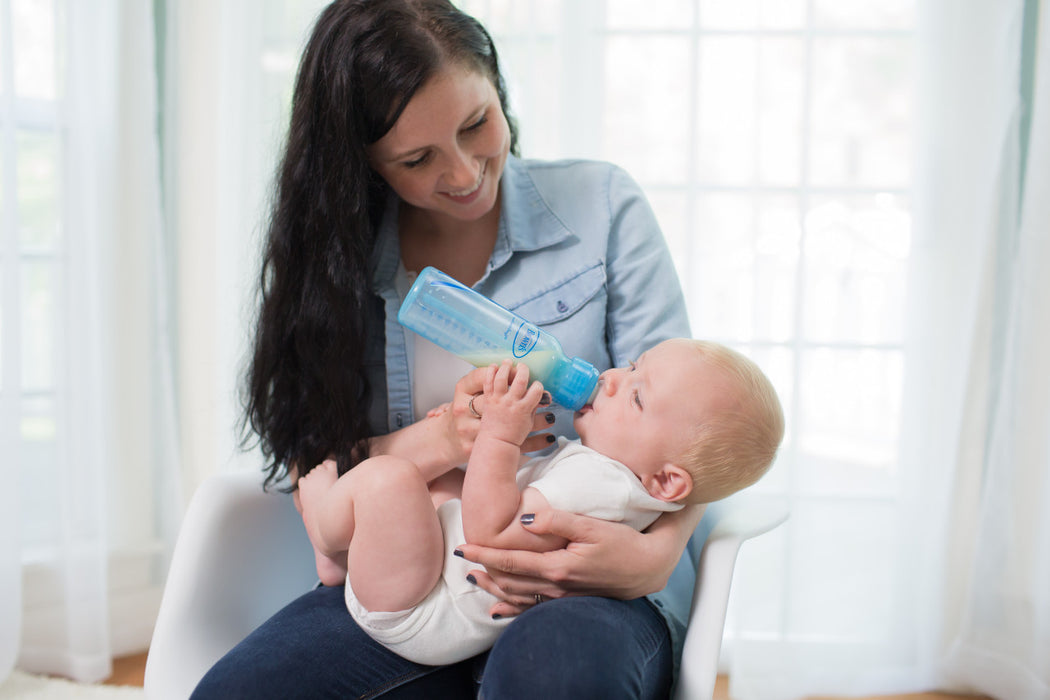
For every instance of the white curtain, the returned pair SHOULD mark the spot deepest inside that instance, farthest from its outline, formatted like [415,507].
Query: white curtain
[98,493]
[923,561]
[997,590]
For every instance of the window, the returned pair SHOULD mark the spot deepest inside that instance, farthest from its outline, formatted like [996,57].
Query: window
[31,247]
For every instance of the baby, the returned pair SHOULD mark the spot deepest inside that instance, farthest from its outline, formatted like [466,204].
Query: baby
[690,422]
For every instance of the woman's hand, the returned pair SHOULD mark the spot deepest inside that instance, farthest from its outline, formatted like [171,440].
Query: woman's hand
[461,425]
[602,558]
[445,438]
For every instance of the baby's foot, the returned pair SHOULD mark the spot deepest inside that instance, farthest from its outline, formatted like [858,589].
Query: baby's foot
[313,486]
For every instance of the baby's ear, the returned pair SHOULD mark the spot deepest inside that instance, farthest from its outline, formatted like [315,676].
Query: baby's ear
[671,483]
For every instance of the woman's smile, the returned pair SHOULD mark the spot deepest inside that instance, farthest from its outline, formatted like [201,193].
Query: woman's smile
[468,196]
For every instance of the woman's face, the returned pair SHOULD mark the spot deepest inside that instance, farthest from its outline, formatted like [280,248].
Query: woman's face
[446,152]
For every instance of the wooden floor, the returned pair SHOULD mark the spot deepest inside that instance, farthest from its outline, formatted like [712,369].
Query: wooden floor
[129,671]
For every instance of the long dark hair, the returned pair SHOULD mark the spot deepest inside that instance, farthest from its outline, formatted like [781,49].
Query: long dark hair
[306,393]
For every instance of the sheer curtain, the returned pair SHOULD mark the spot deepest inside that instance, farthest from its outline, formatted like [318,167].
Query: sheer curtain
[997,624]
[88,442]
[841,186]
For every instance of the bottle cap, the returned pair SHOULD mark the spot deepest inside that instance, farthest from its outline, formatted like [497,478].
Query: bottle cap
[573,383]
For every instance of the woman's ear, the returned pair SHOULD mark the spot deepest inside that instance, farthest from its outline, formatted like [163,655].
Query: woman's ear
[671,483]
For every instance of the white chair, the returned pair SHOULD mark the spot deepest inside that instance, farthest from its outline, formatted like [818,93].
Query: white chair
[242,554]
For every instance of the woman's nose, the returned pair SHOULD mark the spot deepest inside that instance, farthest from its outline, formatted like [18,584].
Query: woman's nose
[462,171]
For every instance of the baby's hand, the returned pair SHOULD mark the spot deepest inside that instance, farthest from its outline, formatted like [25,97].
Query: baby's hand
[438,410]
[510,403]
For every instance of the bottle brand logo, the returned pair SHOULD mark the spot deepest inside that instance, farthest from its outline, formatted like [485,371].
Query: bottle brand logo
[525,340]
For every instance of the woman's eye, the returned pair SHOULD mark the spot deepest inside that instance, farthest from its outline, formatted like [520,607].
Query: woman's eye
[415,163]
[478,124]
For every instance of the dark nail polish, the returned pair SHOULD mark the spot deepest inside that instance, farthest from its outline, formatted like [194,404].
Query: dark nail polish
[457,552]
[497,616]
[528,518]
[471,579]
[550,438]
[545,399]
[549,418]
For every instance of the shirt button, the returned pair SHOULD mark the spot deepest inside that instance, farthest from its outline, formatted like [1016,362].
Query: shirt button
[562,307]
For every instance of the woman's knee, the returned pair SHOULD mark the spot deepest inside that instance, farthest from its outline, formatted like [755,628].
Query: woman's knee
[582,647]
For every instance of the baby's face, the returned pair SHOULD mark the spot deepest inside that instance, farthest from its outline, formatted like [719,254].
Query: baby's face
[643,415]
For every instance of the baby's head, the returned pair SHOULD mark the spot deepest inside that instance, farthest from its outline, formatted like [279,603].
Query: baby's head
[695,420]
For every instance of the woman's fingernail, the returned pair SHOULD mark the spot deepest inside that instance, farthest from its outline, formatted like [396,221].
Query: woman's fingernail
[497,616]
[471,579]
[545,399]
[550,438]
[549,417]
[528,518]
[457,552]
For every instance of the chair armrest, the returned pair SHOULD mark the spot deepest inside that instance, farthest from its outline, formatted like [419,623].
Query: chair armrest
[241,555]
[735,520]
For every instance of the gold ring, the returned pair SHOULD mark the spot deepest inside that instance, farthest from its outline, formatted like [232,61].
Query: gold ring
[538,597]
[470,405]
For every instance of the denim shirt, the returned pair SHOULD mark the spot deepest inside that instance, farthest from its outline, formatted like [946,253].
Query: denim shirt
[578,253]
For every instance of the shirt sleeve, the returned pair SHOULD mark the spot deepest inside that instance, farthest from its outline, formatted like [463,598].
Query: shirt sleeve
[646,304]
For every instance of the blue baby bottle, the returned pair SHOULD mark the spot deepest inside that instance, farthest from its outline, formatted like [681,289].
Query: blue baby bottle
[482,332]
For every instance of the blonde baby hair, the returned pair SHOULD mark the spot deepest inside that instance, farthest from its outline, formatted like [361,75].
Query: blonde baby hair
[734,448]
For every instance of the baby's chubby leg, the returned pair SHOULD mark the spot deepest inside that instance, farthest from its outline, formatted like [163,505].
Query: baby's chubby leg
[381,513]
[309,495]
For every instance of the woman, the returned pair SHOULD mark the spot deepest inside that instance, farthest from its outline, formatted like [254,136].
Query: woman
[401,155]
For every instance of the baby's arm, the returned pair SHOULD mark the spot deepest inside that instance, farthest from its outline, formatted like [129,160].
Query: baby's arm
[492,503]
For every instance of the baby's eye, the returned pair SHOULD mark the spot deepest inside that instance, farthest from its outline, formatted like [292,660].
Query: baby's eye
[632,365]
[636,397]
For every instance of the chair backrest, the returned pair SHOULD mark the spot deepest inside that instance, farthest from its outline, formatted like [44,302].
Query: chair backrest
[241,555]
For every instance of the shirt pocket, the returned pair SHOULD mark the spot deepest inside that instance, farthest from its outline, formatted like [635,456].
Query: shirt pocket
[563,298]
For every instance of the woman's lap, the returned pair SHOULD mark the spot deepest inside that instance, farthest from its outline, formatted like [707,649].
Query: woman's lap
[582,647]
[313,649]
[572,647]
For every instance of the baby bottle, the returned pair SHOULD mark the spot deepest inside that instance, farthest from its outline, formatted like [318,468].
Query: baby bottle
[482,332]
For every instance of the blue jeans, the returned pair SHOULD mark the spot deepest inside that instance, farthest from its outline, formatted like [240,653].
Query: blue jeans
[582,647]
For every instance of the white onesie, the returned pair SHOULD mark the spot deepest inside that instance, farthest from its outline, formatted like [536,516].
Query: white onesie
[453,623]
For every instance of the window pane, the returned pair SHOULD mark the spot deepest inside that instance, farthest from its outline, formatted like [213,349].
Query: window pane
[841,576]
[34,26]
[634,15]
[509,18]
[750,110]
[856,261]
[671,212]
[745,256]
[525,63]
[848,421]
[38,189]
[752,14]
[862,103]
[647,136]
[39,310]
[864,14]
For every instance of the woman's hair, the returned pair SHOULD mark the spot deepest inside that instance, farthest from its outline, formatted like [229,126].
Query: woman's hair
[736,447]
[306,393]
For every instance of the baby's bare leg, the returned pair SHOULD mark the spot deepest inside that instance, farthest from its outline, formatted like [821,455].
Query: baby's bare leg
[383,509]
[312,490]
